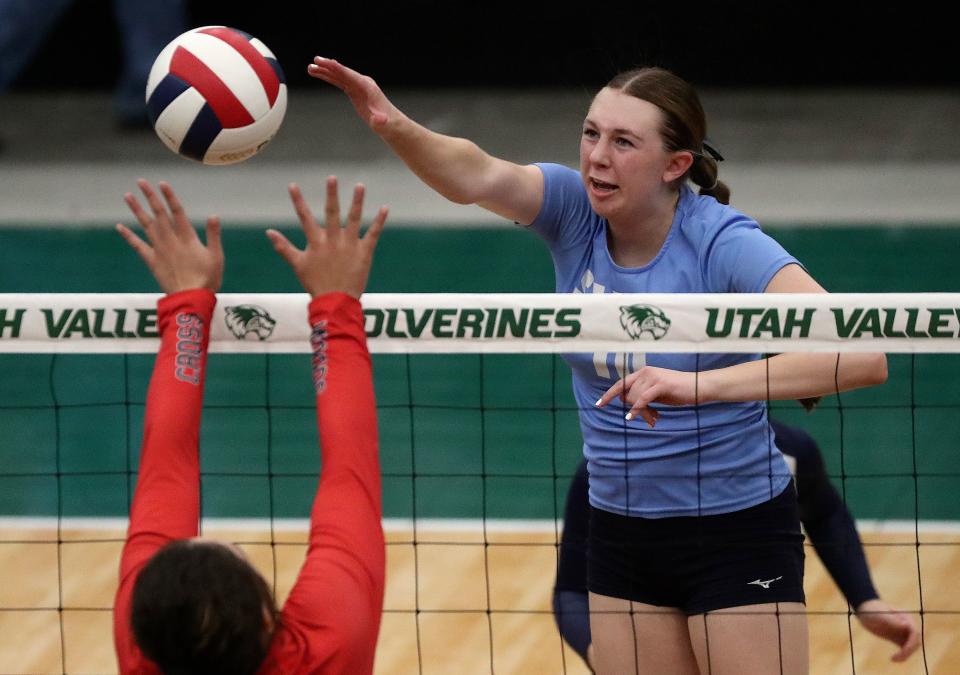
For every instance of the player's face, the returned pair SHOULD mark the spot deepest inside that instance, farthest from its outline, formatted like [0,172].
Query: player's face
[622,159]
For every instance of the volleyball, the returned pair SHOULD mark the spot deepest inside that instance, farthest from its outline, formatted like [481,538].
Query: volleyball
[216,95]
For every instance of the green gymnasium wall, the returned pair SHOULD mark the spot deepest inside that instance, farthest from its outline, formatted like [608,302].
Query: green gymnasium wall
[492,435]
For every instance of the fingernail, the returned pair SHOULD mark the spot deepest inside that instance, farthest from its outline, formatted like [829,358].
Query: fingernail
[599,401]
[629,416]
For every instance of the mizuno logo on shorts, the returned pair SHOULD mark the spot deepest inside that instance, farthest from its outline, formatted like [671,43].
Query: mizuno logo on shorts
[764,584]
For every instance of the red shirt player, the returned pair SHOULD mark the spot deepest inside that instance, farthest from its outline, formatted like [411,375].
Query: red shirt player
[188,605]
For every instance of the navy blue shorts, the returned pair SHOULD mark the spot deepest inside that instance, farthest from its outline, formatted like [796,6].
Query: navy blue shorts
[700,564]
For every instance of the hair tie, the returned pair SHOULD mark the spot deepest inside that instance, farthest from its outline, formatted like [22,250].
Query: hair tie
[712,150]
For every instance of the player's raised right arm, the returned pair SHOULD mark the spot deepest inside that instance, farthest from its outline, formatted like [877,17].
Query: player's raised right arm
[457,168]
[339,592]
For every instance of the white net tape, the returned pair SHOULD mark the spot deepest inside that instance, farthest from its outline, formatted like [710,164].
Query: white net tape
[509,323]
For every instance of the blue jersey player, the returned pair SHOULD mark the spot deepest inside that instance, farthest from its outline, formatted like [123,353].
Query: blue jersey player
[825,517]
[692,504]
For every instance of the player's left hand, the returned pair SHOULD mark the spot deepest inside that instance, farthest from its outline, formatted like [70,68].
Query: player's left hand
[890,624]
[653,385]
[175,255]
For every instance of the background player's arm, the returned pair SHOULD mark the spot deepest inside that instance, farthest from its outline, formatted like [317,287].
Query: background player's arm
[340,587]
[166,501]
[571,606]
[455,167]
[825,517]
[834,535]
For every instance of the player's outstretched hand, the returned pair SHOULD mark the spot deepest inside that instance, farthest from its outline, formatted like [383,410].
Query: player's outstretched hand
[175,255]
[890,624]
[367,98]
[336,258]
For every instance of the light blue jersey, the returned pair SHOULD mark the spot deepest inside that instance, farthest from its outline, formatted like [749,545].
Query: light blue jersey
[708,459]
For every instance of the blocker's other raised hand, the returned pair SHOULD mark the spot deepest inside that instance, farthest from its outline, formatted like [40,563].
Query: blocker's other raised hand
[174,255]
[336,257]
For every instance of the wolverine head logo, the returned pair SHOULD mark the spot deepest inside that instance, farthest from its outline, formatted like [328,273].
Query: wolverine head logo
[244,320]
[640,319]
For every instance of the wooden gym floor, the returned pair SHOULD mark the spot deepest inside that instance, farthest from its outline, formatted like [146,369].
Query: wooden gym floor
[455,583]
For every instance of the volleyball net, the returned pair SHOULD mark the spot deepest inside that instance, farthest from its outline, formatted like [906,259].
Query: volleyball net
[479,439]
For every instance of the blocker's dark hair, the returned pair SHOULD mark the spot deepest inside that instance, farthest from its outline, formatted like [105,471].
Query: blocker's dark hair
[198,607]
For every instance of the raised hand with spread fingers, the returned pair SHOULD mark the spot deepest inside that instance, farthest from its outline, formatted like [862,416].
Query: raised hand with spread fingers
[174,255]
[336,258]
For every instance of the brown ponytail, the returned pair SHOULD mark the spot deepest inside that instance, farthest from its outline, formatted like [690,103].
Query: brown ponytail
[703,172]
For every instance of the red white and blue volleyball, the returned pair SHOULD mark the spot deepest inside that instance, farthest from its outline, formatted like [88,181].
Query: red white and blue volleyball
[216,95]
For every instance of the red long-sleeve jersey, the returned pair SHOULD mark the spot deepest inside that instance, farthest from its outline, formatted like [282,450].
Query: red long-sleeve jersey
[330,621]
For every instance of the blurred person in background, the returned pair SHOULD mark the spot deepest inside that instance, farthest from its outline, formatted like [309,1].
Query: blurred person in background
[144,26]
